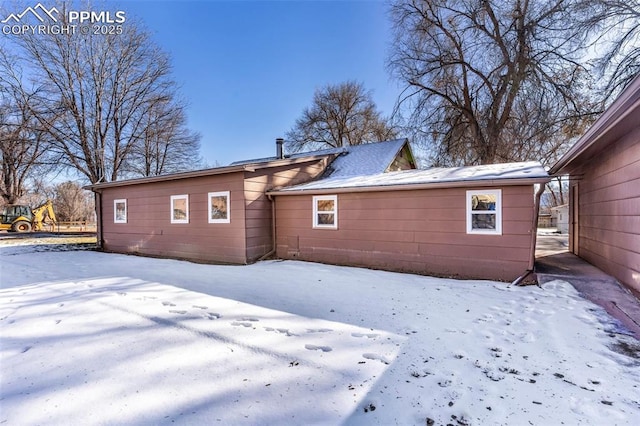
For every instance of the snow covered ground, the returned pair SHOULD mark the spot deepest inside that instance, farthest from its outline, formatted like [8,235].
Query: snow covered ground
[95,338]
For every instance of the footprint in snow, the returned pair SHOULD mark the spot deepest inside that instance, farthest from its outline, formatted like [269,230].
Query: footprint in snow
[199,307]
[485,318]
[26,348]
[318,348]
[243,324]
[376,357]
[319,330]
[173,311]
[168,304]
[121,293]
[281,331]
[367,335]
[144,298]
[249,319]
[213,316]
[527,338]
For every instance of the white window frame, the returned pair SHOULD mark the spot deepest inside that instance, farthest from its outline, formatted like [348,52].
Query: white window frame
[316,212]
[497,212]
[180,197]
[115,210]
[209,209]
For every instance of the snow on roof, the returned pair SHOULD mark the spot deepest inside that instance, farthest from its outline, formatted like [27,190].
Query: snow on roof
[507,171]
[365,159]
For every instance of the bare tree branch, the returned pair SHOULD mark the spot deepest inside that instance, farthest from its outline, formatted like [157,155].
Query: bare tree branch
[341,115]
[490,81]
[24,148]
[101,97]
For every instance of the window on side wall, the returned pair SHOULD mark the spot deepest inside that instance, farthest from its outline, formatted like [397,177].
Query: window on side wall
[484,212]
[119,211]
[179,209]
[325,211]
[219,211]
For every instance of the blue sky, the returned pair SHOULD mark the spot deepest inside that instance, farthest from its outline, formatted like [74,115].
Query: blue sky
[249,68]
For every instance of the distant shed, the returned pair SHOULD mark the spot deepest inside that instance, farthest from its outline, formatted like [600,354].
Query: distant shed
[560,218]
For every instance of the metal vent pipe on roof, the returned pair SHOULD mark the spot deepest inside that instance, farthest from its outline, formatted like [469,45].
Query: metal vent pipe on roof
[279,150]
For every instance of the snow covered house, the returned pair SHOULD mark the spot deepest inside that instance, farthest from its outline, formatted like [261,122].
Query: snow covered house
[604,193]
[363,205]
[221,214]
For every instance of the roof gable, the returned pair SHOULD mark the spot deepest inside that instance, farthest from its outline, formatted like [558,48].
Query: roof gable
[372,158]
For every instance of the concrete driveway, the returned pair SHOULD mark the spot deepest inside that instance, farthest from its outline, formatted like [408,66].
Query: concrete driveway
[553,261]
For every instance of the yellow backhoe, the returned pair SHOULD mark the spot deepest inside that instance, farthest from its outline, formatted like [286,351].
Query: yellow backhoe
[20,218]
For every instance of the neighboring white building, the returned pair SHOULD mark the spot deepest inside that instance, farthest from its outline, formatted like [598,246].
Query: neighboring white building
[560,216]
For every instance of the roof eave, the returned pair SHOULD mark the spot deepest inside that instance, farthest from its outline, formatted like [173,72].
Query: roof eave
[207,172]
[415,186]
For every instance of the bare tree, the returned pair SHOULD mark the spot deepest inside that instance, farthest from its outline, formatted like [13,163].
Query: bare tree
[613,28]
[166,144]
[100,92]
[23,143]
[557,193]
[340,115]
[490,82]
[72,203]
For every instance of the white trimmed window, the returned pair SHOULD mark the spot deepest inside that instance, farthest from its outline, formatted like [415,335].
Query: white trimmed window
[484,212]
[119,211]
[180,209]
[219,209]
[325,211]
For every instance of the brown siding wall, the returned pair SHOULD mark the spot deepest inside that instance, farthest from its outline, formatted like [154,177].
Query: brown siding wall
[258,207]
[609,210]
[422,231]
[149,230]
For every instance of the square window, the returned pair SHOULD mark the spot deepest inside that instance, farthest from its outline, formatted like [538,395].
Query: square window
[325,211]
[179,209]
[119,211]
[219,211]
[484,212]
